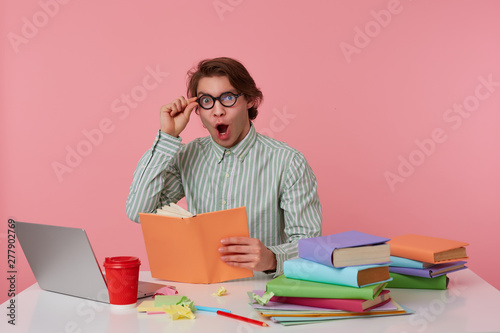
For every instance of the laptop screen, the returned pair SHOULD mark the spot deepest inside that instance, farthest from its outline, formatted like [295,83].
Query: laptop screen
[62,260]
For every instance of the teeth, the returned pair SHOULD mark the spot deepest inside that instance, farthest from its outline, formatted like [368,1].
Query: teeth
[222,129]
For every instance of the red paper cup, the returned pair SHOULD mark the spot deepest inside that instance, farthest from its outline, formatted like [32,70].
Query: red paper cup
[122,278]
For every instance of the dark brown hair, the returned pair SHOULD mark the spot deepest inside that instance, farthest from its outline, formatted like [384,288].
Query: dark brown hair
[237,74]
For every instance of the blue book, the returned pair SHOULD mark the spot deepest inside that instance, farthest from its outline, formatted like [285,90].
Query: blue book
[434,271]
[409,263]
[352,276]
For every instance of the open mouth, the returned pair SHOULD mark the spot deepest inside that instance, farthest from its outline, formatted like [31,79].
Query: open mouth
[222,129]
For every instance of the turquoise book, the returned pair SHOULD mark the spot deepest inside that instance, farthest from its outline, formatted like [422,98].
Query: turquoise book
[283,286]
[352,276]
[405,262]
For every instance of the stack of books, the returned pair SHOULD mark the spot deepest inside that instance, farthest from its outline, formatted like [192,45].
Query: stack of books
[335,277]
[424,262]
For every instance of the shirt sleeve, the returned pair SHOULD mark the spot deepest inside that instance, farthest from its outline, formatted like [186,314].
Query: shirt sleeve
[156,180]
[302,210]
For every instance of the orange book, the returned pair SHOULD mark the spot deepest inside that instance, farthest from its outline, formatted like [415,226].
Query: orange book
[428,249]
[186,249]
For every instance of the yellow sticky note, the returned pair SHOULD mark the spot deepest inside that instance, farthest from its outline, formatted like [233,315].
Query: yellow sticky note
[178,312]
[148,306]
[220,292]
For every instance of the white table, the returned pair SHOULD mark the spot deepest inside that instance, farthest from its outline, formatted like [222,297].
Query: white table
[469,305]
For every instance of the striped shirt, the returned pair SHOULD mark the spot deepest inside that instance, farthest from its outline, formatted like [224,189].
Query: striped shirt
[273,181]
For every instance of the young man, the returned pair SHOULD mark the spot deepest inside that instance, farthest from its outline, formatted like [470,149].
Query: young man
[233,167]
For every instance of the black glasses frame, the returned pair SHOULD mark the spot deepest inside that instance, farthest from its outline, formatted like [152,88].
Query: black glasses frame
[218,99]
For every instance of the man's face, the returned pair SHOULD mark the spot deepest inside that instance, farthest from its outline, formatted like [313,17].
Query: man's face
[227,125]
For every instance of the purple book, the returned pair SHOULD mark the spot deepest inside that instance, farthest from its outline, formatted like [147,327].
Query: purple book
[321,249]
[434,271]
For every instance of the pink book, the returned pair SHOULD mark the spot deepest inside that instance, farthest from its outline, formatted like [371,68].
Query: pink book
[354,305]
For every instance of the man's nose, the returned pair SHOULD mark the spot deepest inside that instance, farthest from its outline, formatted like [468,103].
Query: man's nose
[218,109]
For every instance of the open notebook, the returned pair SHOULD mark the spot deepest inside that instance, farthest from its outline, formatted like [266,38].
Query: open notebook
[184,248]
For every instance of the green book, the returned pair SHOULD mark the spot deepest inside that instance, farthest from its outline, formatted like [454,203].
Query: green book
[417,282]
[283,286]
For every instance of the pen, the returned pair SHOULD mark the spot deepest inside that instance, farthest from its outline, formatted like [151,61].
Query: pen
[210,309]
[248,320]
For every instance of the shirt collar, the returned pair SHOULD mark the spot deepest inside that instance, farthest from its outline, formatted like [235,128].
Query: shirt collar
[240,150]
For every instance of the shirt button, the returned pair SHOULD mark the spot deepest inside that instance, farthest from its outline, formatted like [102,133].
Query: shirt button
[227,175]
[223,202]
[228,152]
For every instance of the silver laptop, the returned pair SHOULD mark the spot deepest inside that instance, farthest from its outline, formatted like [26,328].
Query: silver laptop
[62,261]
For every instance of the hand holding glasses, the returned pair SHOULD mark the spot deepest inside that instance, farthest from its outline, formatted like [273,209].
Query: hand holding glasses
[227,99]
[175,115]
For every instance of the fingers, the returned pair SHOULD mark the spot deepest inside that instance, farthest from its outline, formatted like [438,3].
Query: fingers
[180,105]
[238,240]
[243,258]
[190,107]
[175,115]
[245,261]
[248,253]
[240,245]
[239,249]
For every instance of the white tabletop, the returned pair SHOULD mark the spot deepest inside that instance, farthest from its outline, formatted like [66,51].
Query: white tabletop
[469,305]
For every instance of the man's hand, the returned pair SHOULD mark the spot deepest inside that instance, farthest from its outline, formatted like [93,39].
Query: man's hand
[247,253]
[175,116]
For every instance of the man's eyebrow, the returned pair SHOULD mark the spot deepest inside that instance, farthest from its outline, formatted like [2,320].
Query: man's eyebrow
[201,93]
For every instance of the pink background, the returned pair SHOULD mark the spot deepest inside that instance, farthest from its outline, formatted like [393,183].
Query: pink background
[365,89]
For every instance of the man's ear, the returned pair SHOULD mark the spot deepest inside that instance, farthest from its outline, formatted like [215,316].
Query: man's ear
[250,103]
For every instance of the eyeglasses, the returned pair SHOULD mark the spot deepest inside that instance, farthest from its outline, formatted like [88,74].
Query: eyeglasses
[227,99]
